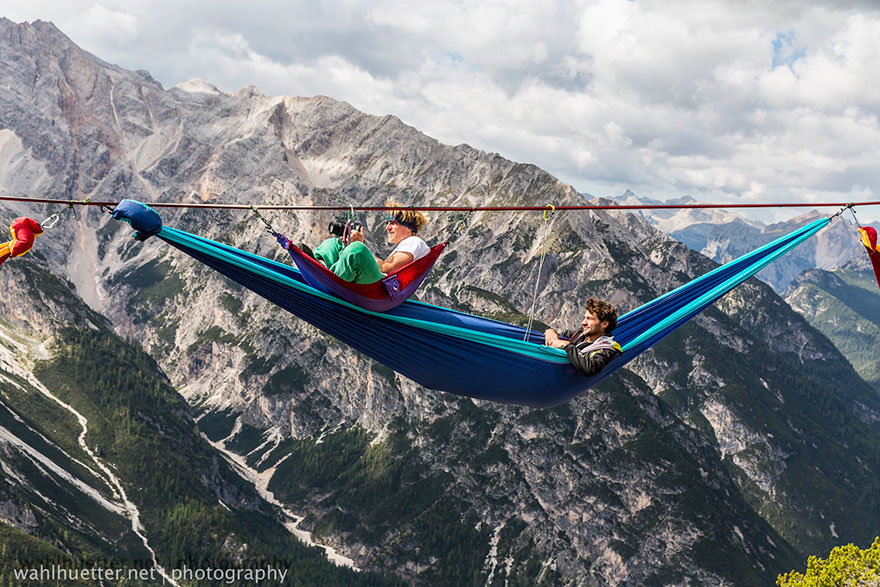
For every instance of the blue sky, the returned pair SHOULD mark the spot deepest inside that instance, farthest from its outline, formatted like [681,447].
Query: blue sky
[723,101]
[787,50]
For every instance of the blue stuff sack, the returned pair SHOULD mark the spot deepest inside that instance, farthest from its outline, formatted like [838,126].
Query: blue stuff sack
[143,219]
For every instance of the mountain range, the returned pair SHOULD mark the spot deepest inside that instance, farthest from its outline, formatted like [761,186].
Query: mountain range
[211,429]
[723,235]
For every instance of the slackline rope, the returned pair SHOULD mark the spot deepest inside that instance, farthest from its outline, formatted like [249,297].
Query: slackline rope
[446,208]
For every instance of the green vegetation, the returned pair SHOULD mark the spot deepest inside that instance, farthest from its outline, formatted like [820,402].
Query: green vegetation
[527,569]
[822,396]
[41,284]
[448,537]
[845,307]
[381,492]
[675,461]
[21,552]
[243,319]
[230,303]
[314,464]
[214,334]
[290,379]
[218,424]
[257,365]
[167,335]
[196,511]
[246,439]
[380,370]
[846,566]
[40,413]
[32,418]
[826,484]
[154,283]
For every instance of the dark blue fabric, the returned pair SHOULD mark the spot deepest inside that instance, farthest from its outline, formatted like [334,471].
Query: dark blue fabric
[141,217]
[432,360]
[451,361]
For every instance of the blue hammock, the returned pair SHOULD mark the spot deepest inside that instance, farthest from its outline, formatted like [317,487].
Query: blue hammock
[451,351]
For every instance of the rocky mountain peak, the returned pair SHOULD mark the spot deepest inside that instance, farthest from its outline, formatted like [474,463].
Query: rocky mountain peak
[198,85]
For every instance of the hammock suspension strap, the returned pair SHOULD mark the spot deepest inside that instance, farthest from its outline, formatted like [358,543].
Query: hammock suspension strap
[546,226]
[269,228]
[852,210]
[349,226]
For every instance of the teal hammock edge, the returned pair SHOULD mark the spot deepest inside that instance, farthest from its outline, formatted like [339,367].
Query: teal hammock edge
[258,265]
[794,237]
[711,296]
[242,258]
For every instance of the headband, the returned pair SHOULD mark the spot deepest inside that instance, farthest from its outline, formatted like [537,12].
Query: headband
[398,218]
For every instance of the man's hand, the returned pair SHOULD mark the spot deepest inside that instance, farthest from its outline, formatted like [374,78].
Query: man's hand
[551,338]
[356,235]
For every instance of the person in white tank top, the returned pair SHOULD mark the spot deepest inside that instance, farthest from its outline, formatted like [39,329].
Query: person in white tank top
[409,247]
[354,261]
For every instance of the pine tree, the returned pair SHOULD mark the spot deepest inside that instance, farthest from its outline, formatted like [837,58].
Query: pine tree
[846,566]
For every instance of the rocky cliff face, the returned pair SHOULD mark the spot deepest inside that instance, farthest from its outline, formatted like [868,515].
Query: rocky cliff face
[699,464]
[105,470]
[843,305]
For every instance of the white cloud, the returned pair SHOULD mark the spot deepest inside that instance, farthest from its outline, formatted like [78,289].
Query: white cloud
[104,27]
[720,100]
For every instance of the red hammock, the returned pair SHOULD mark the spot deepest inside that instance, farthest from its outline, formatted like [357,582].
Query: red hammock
[379,296]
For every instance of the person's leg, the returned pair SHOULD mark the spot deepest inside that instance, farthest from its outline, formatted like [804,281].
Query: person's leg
[328,251]
[357,264]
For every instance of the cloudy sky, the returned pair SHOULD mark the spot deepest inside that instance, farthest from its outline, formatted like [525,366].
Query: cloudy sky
[734,101]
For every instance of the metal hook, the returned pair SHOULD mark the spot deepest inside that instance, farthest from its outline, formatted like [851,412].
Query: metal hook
[260,216]
[54,218]
[51,220]
[460,226]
